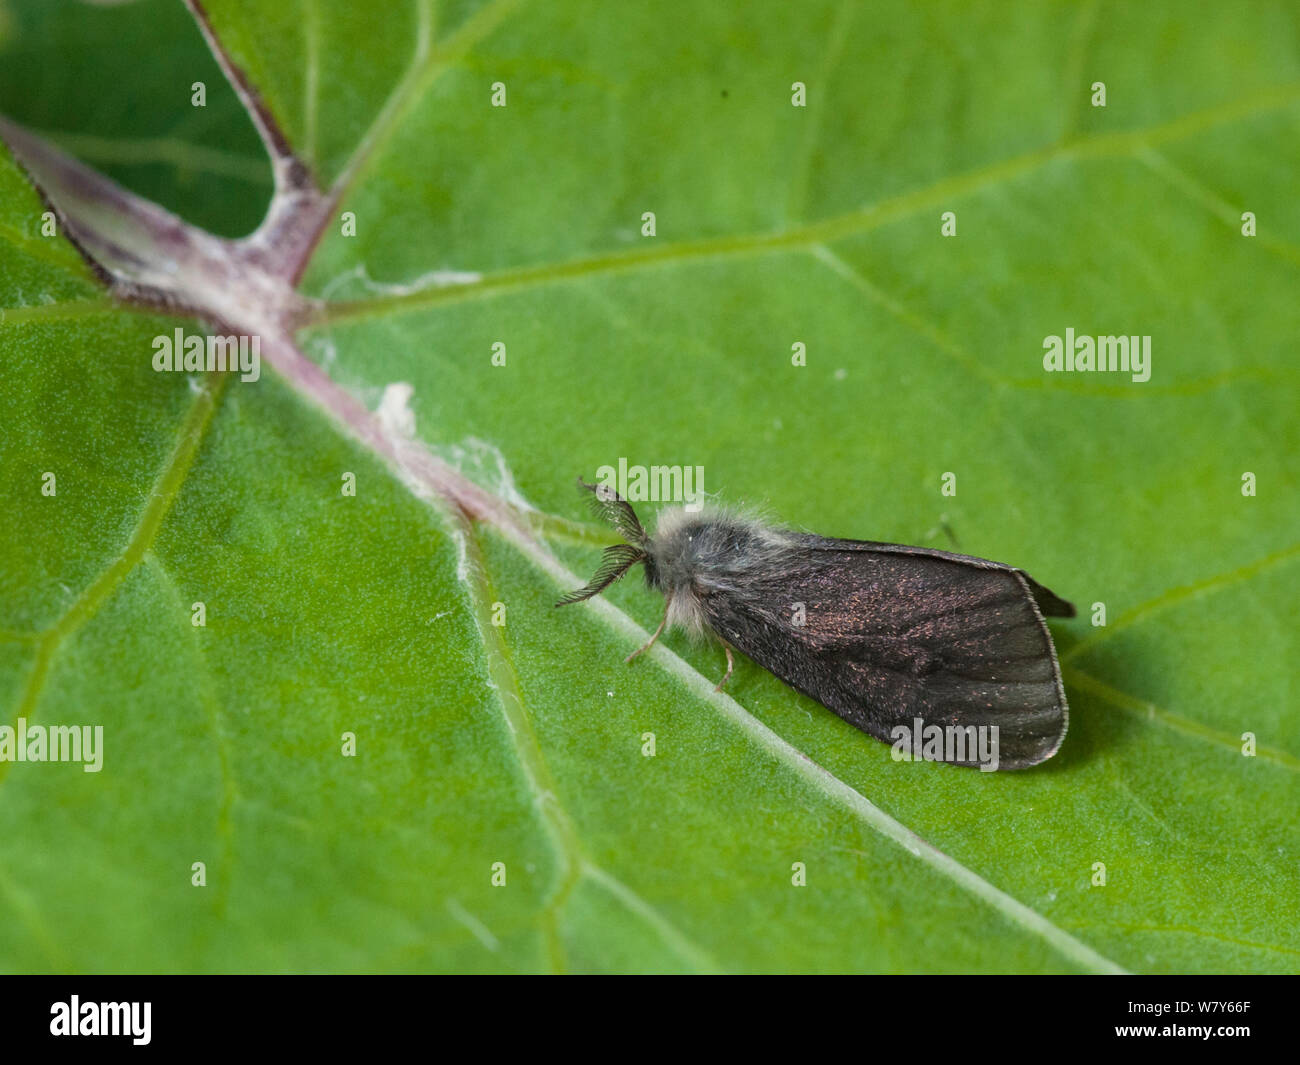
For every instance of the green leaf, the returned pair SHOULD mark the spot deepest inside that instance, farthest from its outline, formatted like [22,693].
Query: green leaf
[113,83]
[522,743]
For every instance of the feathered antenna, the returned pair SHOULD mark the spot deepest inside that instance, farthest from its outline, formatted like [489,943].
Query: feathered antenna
[617,511]
[616,560]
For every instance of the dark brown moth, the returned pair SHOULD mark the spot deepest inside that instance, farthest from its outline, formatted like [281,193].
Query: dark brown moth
[889,637]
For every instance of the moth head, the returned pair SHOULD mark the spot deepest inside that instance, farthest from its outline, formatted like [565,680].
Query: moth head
[616,560]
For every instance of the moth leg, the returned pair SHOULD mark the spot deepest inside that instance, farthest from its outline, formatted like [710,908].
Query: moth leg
[730,663]
[650,644]
[946,529]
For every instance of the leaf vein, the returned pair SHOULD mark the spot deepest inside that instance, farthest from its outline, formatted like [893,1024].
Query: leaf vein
[829,230]
[165,491]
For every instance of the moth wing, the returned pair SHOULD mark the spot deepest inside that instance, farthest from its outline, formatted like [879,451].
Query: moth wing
[891,634]
[1049,603]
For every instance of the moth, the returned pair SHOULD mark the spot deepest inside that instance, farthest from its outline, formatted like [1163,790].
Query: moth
[886,636]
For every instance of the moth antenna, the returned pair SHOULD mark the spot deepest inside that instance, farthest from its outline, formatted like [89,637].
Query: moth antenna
[617,511]
[615,561]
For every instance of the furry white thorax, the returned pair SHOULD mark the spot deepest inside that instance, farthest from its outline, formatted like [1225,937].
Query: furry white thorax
[696,553]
